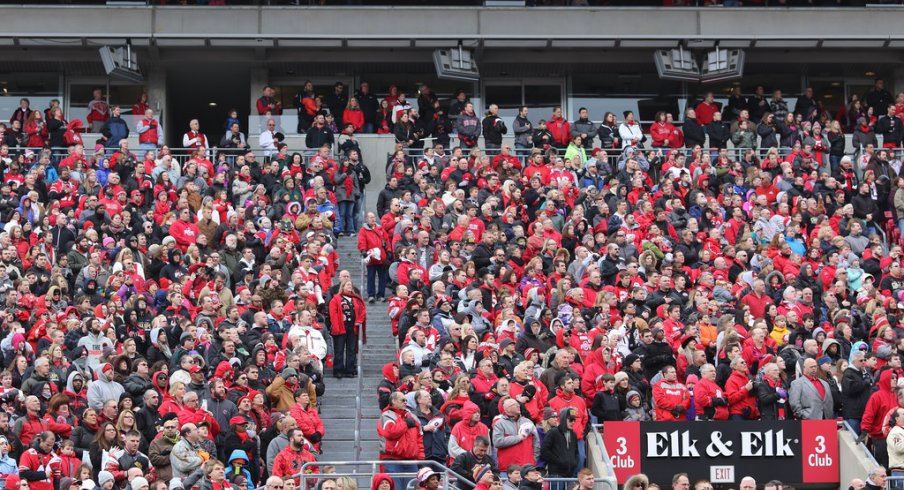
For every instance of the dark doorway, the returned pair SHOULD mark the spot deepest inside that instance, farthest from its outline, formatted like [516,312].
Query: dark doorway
[206,92]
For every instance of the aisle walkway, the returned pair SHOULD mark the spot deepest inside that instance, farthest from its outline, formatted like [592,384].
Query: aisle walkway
[338,410]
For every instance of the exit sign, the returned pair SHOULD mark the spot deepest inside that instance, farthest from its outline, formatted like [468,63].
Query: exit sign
[721,474]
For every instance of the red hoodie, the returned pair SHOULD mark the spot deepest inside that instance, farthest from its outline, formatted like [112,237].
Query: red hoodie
[463,433]
[878,405]
[593,370]
[561,400]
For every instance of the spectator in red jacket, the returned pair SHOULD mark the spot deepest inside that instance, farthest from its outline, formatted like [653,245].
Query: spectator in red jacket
[290,460]
[740,392]
[32,424]
[879,404]
[348,316]
[671,397]
[706,109]
[400,438]
[566,397]
[560,129]
[191,413]
[307,417]
[709,398]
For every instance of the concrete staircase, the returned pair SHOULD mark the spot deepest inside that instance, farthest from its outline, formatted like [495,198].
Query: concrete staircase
[338,402]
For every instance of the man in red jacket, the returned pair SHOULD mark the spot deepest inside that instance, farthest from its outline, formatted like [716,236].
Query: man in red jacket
[740,392]
[290,460]
[400,439]
[560,129]
[373,243]
[709,398]
[671,397]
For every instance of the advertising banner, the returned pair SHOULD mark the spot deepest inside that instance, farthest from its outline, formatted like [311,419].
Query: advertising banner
[793,451]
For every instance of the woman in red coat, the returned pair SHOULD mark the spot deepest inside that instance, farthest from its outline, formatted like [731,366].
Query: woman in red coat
[348,316]
[353,115]
[307,418]
[36,129]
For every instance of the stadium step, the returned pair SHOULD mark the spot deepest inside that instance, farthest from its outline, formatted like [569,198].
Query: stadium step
[338,409]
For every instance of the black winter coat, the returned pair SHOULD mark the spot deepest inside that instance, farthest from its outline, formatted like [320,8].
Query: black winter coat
[560,450]
[856,388]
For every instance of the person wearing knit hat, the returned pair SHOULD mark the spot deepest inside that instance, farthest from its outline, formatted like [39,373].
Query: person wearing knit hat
[103,477]
[483,475]
[138,483]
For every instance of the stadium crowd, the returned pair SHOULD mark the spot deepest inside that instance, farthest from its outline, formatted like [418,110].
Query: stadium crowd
[168,319]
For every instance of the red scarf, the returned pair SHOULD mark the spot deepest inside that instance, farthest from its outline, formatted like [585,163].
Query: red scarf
[349,185]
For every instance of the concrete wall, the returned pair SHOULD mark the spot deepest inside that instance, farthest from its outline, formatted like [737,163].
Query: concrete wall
[855,461]
[257,26]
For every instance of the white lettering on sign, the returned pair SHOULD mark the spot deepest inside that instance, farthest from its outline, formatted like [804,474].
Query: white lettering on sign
[768,444]
[679,444]
[675,444]
[721,474]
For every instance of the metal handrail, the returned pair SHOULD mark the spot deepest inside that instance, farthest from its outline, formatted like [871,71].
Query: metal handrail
[597,431]
[358,413]
[866,452]
[447,473]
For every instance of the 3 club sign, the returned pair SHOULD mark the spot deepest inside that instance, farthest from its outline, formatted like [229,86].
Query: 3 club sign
[792,451]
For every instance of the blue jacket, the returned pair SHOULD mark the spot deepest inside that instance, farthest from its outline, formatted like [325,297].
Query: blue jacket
[116,130]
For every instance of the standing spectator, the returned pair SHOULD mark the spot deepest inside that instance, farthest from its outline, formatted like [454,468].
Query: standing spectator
[468,127]
[98,111]
[39,465]
[21,113]
[400,435]
[348,316]
[150,132]
[318,134]
[585,128]
[740,391]
[694,132]
[711,402]
[468,431]
[856,388]
[267,104]
[114,130]
[880,403]
[515,437]
[493,130]
[337,102]
[104,387]
[289,461]
[707,109]
[161,448]
[523,129]
[560,129]
[185,457]
[268,140]
[671,397]
[560,445]
[771,394]
[465,463]
[194,138]
[374,246]
[896,443]
[348,189]
[436,445]
[630,132]
[810,397]
[369,106]
[878,98]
